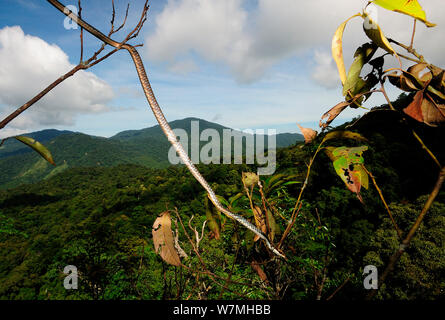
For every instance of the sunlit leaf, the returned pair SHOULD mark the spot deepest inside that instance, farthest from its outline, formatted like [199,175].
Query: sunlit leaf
[38,147]
[374,33]
[163,239]
[408,7]
[337,49]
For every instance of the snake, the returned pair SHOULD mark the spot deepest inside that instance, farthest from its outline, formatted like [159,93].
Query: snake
[163,123]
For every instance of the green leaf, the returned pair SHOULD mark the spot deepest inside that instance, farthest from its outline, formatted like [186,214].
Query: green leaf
[408,7]
[348,164]
[362,56]
[38,147]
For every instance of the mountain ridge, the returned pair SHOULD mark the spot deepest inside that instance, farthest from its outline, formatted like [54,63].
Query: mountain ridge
[147,147]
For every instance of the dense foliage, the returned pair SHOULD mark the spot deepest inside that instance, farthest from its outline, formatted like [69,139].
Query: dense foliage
[100,220]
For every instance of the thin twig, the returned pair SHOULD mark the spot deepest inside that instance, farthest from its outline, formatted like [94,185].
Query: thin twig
[338,289]
[81,34]
[82,65]
[399,232]
[412,36]
[412,130]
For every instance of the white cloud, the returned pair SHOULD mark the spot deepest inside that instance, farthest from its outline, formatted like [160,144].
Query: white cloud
[325,72]
[250,41]
[28,65]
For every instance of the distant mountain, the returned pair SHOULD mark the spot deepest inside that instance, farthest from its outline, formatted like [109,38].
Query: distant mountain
[147,147]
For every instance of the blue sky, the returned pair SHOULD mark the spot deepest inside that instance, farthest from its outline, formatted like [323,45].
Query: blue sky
[245,64]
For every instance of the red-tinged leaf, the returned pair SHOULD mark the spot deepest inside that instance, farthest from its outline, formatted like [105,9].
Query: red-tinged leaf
[163,240]
[308,134]
[414,109]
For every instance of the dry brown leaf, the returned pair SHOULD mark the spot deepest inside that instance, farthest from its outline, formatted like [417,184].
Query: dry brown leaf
[308,134]
[333,113]
[256,267]
[260,221]
[163,239]
[433,113]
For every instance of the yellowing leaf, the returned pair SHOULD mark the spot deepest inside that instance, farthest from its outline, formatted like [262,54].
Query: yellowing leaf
[37,146]
[374,33]
[408,7]
[337,49]
[163,239]
[249,179]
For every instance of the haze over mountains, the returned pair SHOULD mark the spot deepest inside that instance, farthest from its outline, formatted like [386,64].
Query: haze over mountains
[19,164]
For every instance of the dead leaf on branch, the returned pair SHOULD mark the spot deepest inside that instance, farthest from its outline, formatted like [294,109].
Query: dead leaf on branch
[163,239]
[333,113]
[260,221]
[308,134]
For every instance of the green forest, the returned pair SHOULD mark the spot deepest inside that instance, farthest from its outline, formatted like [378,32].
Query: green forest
[353,212]
[100,220]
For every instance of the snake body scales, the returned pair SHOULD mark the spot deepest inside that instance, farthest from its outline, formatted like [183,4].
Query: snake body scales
[163,123]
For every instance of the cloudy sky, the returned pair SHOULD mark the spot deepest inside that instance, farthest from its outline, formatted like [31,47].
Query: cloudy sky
[242,63]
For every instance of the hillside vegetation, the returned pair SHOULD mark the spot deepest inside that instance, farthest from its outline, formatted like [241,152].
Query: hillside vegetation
[100,220]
